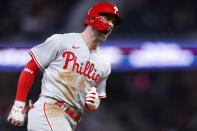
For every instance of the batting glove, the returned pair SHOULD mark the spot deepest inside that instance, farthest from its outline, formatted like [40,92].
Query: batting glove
[18,113]
[92,99]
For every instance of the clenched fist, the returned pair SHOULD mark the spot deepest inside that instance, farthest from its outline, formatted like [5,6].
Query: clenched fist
[92,99]
[17,114]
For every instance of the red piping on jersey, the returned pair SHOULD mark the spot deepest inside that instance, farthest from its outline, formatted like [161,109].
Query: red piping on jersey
[33,56]
[46,117]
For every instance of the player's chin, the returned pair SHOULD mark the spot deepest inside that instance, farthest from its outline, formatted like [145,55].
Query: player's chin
[102,38]
[102,35]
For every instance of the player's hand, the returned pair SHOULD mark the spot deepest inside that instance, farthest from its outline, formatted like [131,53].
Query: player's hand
[92,99]
[17,114]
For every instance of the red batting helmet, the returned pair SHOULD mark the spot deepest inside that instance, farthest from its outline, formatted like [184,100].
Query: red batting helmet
[93,17]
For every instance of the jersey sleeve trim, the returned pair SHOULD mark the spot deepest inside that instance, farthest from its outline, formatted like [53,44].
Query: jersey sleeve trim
[33,56]
[103,95]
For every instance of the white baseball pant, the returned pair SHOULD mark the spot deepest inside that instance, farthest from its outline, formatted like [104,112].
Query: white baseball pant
[46,116]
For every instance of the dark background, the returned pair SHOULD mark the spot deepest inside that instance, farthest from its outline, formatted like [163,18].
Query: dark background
[35,20]
[140,100]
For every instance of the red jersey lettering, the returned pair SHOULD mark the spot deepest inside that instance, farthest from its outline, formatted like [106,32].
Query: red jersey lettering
[89,67]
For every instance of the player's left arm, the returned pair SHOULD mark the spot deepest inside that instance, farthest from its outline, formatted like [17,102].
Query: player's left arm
[94,95]
[92,99]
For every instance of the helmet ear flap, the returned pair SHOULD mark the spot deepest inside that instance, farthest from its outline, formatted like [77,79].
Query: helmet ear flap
[97,22]
[93,18]
[100,24]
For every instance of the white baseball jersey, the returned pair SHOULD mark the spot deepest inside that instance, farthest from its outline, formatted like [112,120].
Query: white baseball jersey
[70,69]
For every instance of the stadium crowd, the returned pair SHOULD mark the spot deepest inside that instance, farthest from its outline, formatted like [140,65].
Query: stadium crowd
[34,20]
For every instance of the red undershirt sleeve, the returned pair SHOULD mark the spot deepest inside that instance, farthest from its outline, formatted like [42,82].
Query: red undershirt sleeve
[26,80]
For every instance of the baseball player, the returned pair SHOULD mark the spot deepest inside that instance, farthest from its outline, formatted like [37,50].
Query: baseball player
[75,74]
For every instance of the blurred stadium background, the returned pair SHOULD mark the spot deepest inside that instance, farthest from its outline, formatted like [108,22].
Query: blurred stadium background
[153,84]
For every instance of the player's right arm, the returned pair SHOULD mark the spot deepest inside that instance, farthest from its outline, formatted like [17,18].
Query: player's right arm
[42,55]
[17,114]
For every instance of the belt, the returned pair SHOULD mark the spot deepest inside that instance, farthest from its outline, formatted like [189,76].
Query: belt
[68,110]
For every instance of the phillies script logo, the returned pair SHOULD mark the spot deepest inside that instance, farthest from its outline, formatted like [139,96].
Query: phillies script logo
[89,67]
